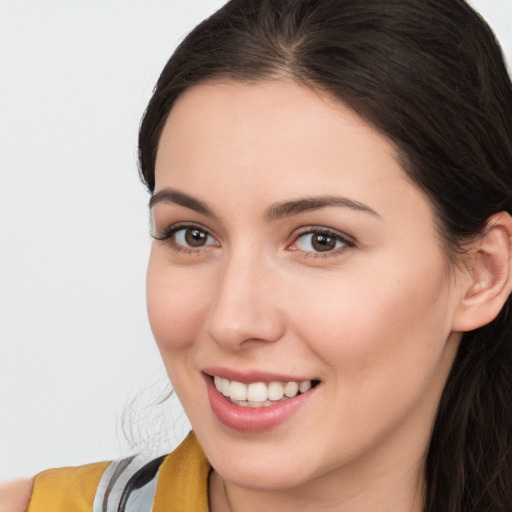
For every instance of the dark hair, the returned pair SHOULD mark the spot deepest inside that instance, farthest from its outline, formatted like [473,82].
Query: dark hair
[429,75]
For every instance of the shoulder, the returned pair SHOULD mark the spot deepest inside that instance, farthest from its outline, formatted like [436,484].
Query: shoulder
[15,495]
[130,484]
[65,489]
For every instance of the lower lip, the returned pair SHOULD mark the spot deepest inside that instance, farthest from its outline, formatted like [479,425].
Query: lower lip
[248,419]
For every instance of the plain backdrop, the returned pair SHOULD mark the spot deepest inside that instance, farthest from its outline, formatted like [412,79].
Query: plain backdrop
[75,343]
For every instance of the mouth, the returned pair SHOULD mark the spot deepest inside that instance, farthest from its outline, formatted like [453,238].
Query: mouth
[259,403]
[261,394]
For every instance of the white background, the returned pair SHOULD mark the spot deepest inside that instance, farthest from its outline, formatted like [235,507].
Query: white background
[75,344]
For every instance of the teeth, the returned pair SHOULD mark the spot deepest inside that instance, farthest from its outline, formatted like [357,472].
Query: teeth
[253,405]
[291,389]
[256,392]
[224,387]
[237,390]
[259,394]
[304,386]
[275,391]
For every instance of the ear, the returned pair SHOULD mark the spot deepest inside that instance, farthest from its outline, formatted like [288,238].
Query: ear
[489,276]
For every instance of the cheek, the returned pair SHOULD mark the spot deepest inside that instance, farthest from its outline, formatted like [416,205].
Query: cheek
[176,300]
[372,322]
[373,333]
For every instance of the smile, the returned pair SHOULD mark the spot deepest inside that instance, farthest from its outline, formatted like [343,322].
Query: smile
[260,394]
[260,403]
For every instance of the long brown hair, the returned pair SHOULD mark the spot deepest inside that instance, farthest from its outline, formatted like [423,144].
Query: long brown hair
[430,75]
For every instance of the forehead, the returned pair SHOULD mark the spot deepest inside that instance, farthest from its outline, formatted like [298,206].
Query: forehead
[277,140]
[273,122]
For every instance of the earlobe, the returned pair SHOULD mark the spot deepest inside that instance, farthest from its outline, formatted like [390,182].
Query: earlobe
[489,280]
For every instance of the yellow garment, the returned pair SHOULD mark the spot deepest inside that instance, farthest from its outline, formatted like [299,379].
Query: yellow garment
[182,484]
[66,489]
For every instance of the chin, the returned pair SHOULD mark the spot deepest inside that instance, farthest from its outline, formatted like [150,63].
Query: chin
[262,477]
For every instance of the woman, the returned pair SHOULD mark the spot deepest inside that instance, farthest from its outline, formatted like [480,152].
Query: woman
[330,274]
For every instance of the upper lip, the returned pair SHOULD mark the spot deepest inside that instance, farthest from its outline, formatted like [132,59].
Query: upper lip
[250,376]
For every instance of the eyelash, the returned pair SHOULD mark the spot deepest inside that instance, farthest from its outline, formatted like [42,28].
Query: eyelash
[168,237]
[329,233]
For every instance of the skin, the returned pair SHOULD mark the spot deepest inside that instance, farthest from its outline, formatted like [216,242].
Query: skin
[15,495]
[375,320]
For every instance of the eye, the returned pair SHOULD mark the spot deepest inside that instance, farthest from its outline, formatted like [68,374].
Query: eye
[187,237]
[193,237]
[321,241]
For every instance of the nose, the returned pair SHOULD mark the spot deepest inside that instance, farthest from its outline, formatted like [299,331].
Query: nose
[246,308]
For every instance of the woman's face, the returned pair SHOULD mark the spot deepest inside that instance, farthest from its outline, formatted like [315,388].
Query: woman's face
[291,247]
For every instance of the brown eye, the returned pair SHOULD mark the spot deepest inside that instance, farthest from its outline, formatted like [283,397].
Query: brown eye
[195,237]
[192,237]
[321,241]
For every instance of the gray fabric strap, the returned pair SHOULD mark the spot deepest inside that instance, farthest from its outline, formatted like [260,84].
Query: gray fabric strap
[113,483]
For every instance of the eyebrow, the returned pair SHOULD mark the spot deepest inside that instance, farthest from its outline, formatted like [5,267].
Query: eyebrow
[275,212]
[169,195]
[289,208]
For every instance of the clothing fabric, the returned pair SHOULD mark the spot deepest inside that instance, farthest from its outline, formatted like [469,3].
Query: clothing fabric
[128,485]
[177,482]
